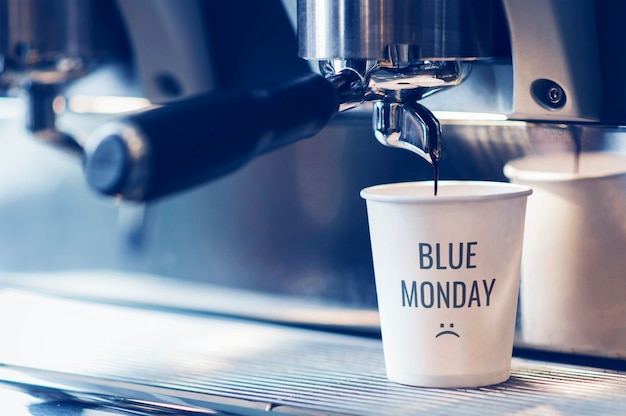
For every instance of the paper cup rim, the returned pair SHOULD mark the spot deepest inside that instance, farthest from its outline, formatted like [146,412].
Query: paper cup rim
[407,192]
[536,168]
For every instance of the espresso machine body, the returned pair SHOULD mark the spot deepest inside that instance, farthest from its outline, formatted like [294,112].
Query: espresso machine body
[496,80]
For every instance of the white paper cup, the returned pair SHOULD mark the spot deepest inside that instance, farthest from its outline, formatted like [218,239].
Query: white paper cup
[447,277]
[573,289]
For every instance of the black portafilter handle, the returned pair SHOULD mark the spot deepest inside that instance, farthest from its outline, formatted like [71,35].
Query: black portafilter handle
[163,150]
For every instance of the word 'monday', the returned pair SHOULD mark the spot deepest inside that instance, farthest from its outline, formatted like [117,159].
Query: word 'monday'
[448,294]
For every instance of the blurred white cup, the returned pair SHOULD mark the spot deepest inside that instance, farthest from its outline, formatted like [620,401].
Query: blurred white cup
[573,286]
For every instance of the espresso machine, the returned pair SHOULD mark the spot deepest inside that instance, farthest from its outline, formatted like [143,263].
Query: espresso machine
[390,56]
[184,183]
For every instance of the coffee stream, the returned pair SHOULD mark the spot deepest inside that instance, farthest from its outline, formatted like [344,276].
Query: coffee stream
[435,153]
[434,156]
[434,146]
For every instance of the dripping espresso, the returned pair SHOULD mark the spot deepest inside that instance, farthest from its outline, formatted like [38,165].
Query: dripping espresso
[434,156]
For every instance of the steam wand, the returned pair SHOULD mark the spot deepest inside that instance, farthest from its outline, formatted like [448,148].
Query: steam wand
[41,118]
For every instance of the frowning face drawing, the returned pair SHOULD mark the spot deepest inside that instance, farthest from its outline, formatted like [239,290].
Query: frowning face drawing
[447,331]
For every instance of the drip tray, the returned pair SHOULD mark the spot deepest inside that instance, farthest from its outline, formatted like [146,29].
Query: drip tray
[125,356]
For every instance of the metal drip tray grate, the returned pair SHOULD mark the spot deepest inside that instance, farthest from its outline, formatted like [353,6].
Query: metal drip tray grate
[245,367]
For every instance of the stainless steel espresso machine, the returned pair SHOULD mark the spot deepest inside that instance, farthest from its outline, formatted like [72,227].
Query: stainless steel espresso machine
[184,190]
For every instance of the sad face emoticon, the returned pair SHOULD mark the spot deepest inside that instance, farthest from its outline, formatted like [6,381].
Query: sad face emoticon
[447,332]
